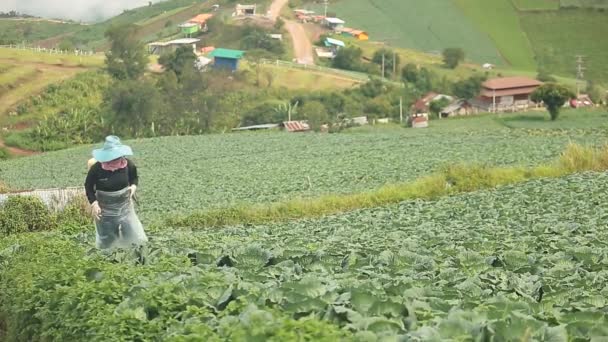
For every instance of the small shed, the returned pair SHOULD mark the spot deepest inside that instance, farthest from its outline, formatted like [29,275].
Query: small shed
[357,34]
[226,58]
[202,63]
[334,45]
[296,126]
[244,10]
[159,48]
[189,29]
[201,21]
[334,23]
[256,127]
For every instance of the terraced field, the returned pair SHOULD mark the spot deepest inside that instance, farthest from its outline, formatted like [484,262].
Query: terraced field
[225,170]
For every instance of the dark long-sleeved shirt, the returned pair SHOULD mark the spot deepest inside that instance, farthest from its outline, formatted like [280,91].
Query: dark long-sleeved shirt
[100,179]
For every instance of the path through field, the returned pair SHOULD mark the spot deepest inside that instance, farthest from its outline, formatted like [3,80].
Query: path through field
[301,43]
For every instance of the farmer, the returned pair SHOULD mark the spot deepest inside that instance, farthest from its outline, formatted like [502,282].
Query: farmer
[110,185]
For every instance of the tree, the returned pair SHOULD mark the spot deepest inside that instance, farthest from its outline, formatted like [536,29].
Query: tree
[437,105]
[452,57]
[279,24]
[553,96]
[315,113]
[389,56]
[594,92]
[348,58]
[421,80]
[127,58]
[409,73]
[468,88]
[133,106]
[544,76]
[179,60]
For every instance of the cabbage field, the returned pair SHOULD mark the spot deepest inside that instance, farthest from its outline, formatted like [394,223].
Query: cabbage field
[522,263]
[181,174]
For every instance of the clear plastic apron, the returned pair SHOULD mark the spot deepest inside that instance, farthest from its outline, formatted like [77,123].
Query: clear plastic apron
[119,225]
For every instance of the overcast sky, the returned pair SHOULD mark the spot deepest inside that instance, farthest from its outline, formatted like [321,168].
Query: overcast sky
[86,10]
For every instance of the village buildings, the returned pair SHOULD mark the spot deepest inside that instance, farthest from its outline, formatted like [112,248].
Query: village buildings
[506,94]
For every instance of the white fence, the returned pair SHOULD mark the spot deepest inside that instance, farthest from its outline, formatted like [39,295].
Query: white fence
[49,51]
[357,76]
[55,199]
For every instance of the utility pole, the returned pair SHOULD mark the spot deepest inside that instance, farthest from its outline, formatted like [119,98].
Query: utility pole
[383,65]
[400,109]
[580,73]
[325,2]
[394,64]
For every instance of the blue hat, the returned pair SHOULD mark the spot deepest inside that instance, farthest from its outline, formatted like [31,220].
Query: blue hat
[112,149]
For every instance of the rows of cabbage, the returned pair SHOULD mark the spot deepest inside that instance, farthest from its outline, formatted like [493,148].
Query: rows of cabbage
[527,261]
[181,174]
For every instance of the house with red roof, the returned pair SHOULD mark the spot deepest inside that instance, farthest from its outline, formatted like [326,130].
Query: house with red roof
[506,94]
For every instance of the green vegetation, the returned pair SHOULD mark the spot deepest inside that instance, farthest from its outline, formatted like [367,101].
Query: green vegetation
[18,31]
[558,36]
[325,164]
[553,96]
[583,4]
[461,261]
[428,26]
[452,57]
[452,179]
[500,20]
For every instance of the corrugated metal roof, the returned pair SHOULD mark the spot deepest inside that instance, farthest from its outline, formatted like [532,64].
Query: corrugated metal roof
[511,82]
[508,92]
[332,41]
[334,21]
[256,127]
[227,53]
[201,18]
[296,126]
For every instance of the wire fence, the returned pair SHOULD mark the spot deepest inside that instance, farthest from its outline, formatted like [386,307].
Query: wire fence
[54,199]
[357,76]
[39,49]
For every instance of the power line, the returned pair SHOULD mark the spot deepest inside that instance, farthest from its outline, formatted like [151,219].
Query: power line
[580,72]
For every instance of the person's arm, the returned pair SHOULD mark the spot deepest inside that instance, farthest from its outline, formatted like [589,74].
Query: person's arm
[133,177]
[89,184]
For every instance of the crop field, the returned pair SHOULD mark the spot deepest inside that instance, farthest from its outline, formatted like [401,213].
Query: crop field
[584,3]
[558,36]
[500,21]
[226,170]
[428,26]
[524,262]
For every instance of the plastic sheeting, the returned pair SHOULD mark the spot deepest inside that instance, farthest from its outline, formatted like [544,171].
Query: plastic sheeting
[119,225]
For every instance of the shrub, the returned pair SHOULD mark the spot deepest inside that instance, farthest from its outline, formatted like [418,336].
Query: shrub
[75,217]
[4,154]
[21,214]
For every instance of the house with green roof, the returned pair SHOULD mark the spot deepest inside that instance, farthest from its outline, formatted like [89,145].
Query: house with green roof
[226,58]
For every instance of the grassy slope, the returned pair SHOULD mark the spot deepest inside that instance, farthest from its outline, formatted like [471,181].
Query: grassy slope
[25,73]
[17,31]
[499,19]
[249,168]
[422,25]
[560,35]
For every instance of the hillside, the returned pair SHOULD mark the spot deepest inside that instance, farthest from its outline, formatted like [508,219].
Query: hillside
[515,33]
[24,73]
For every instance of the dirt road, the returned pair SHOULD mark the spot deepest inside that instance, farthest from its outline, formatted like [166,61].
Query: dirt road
[275,8]
[301,43]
